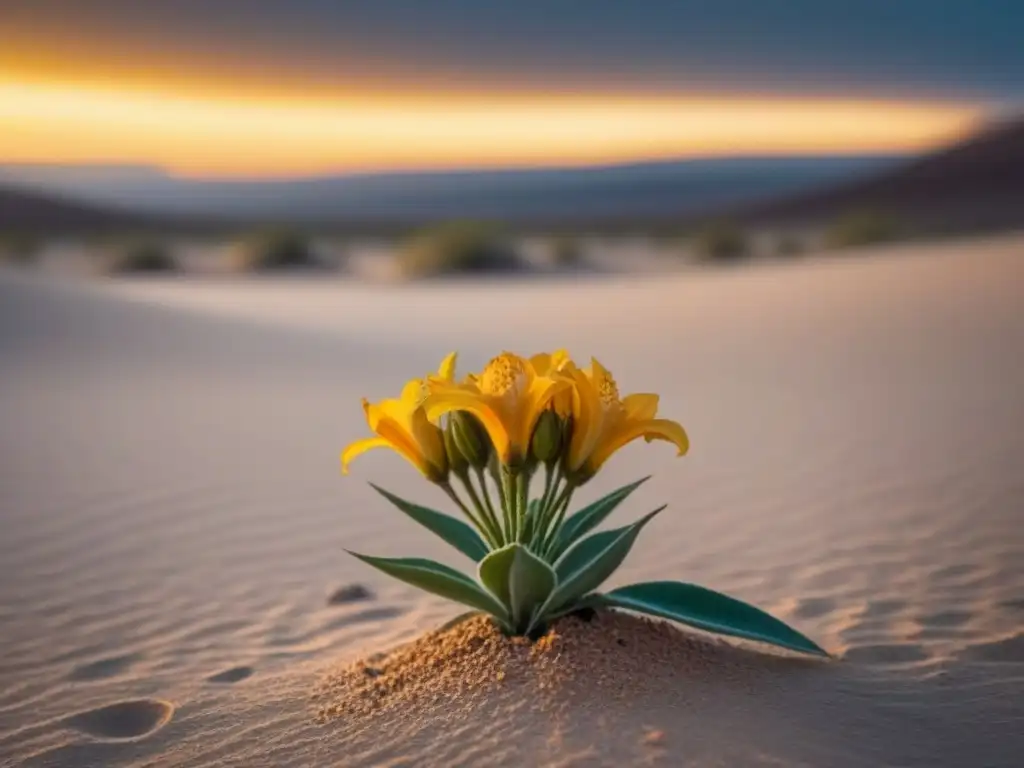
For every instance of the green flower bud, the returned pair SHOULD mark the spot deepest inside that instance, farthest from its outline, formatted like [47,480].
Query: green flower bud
[471,438]
[546,444]
[456,460]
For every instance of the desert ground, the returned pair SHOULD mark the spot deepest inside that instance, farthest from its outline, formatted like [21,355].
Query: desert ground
[174,519]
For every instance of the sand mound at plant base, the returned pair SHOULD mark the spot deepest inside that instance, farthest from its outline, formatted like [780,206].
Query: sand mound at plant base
[455,667]
[609,686]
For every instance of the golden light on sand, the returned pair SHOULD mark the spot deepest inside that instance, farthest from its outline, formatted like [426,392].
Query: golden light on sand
[55,122]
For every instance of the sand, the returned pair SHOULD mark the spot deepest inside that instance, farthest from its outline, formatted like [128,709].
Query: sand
[173,520]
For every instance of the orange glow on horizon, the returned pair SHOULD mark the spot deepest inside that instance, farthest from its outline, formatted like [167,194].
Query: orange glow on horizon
[54,122]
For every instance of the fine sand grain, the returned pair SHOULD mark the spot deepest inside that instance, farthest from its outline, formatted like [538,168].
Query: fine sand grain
[173,581]
[604,687]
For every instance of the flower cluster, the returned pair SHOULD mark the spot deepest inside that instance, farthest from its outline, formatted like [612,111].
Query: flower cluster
[517,415]
[483,440]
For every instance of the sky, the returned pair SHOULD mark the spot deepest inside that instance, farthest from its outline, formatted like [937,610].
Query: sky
[293,87]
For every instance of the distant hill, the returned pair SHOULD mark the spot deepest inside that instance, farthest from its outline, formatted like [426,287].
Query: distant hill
[977,184]
[644,191]
[23,212]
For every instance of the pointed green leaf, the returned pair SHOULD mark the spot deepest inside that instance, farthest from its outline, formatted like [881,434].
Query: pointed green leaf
[582,522]
[439,580]
[711,611]
[590,561]
[455,532]
[520,579]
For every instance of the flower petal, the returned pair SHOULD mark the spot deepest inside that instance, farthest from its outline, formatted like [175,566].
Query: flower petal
[546,363]
[444,400]
[430,440]
[360,447]
[405,443]
[446,371]
[543,390]
[587,419]
[640,407]
[655,429]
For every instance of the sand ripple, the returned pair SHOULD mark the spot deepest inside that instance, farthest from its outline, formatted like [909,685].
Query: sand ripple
[172,515]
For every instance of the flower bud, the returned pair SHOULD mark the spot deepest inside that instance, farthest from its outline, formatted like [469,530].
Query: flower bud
[546,444]
[456,460]
[471,438]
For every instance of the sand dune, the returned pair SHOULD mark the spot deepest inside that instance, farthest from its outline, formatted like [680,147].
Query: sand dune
[173,518]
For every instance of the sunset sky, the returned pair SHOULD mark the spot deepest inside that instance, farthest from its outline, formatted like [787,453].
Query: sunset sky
[254,87]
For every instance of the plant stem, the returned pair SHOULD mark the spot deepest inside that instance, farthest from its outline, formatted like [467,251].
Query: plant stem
[508,502]
[547,510]
[549,486]
[495,531]
[447,488]
[562,504]
[522,504]
[489,505]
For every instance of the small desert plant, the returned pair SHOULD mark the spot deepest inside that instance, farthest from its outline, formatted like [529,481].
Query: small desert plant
[140,257]
[566,252]
[457,247]
[275,250]
[19,250]
[516,419]
[789,245]
[721,241]
[862,228]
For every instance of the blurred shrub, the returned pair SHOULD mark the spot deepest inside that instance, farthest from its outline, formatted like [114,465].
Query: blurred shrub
[566,251]
[789,245]
[274,250]
[19,250]
[139,257]
[862,228]
[721,241]
[457,248]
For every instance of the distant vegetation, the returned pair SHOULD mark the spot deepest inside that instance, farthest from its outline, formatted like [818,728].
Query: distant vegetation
[275,250]
[862,228]
[566,251]
[456,248]
[789,245]
[139,257]
[721,241]
[20,250]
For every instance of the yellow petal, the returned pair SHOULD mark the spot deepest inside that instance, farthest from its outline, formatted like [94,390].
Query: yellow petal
[412,393]
[446,371]
[403,442]
[656,429]
[447,399]
[398,411]
[546,363]
[535,401]
[430,441]
[640,407]
[588,419]
[360,447]
[373,414]
[541,363]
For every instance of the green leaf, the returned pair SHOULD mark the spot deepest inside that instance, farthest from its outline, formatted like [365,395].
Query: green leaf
[520,579]
[455,532]
[582,522]
[590,561]
[710,611]
[439,580]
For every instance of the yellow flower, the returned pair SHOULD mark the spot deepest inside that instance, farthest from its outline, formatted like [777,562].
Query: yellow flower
[507,397]
[402,425]
[603,422]
[556,365]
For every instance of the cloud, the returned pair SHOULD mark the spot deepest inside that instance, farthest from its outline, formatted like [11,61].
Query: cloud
[960,49]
